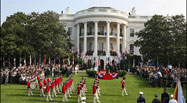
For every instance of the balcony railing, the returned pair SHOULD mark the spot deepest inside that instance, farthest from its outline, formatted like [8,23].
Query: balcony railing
[101,53]
[89,53]
[91,33]
[112,53]
[113,34]
[101,33]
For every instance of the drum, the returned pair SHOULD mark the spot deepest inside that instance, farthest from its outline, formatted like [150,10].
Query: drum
[33,85]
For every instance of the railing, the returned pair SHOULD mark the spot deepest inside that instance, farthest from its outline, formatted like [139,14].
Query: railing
[113,34]
[112,53]
[91,33]
[101,53]
[101,33]
[89,53]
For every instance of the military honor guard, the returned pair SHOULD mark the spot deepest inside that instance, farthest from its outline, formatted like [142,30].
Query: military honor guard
[29,88]
[53,88]
[165,96]
[48,93]
[41,89]
[141,99]
[156,100]
[95,95]
[172,100]
[123,87]
[56,85]
[78,93]
[64,97]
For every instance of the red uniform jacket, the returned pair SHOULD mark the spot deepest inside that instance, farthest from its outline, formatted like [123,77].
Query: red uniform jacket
[40,85]
[48,79]
[78,90]
[52,85]
[123,83]
[55,82]
[38,78]
[47,88]
[94,89]
[28,84]
[58,81]
[64,89]
[45,82]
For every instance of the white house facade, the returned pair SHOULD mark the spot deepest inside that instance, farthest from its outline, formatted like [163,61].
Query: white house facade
[103,32]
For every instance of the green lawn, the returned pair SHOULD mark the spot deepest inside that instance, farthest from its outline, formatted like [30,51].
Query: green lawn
[110,93]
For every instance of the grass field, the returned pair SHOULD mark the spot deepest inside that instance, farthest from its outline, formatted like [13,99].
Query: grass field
[110,93]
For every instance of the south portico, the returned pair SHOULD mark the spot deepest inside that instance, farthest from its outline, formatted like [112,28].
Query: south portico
[112,34]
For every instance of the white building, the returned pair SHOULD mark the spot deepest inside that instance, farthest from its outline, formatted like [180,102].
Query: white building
[103,32]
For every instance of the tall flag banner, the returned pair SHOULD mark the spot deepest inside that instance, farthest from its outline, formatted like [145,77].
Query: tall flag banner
[63,61]
[157,63]
[59,60]
[3,61]
[54,61]
[44,59]
[25,61]
[30,60]
[178,93]
[152,62]
[20,64]
[14,62]
[133,62]
[35,60]
[40,59]
[49,60]
[8,61]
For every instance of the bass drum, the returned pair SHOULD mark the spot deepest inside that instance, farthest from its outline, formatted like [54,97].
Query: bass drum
[33,85]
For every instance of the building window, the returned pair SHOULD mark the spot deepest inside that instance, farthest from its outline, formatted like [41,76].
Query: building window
[120,48]
[131,32]
[101,46]
[70,30]
[90,47]
[101,30]
[111,47]
[131,48]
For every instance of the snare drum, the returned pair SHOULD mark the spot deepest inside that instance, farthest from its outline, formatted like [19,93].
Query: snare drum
[33,85]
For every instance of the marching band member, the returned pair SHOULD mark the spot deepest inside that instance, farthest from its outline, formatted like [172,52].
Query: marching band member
[123,87]
[53,89]
[29,89]
[95,97]
[78,93]
[64,98]
[56,85]
[41,89]
[48,92]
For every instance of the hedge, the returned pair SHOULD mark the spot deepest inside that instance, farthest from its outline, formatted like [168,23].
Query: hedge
[91,73]
[122,73]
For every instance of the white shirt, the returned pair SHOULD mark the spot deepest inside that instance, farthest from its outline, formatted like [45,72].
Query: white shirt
[172,101]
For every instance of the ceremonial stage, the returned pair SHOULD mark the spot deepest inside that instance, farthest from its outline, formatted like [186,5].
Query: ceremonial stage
[104,74]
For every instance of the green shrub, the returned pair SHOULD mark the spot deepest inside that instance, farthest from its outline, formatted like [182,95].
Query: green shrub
[91,73]
[122,73]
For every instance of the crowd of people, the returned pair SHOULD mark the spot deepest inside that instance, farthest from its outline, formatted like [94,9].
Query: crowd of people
[21,74]
[163,77]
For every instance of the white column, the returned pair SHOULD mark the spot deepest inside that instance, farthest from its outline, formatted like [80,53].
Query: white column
[95,38]
[78,33]
[117,39]
[108,40]
[124,38]
[85,37]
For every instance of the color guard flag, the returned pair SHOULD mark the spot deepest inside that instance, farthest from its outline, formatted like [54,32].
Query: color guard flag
[178,93]
[14,62]
[30,60]
[44,60]
[3,61]
[25,61]
[20,64]
[49,60]
[99,62]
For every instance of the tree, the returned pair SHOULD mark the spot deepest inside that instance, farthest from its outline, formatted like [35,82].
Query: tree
[160,37]
[33,34]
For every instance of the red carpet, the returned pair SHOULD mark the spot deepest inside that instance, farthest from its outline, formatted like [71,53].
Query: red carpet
[107,76]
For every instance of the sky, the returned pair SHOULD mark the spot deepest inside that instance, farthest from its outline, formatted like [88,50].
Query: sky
[143,7]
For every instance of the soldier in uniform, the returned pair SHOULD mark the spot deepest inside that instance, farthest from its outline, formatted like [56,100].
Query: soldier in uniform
[165,96]
[53,89]
[41,89]
[123,87]
[141,99]
[95,97]
[78,93]
[28,88]
[156,100]
[172,100]
[64,93]
[48,92]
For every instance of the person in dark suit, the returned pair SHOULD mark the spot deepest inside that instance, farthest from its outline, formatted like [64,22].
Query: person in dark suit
[141,99]
[165,96]
[156,100]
